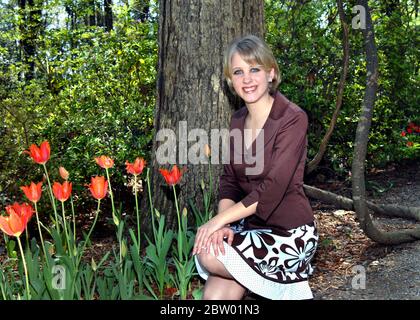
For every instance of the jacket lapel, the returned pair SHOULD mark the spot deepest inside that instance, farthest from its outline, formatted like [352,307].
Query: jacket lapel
[270,127]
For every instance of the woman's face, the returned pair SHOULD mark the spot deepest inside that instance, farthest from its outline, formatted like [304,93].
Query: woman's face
[250,81]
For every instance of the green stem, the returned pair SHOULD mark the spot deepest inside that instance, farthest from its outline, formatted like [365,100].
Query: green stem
[27,237]
[210,189]
[24,267]
[151,204]
[137,212]
[179,226]
[52,199]
[65,228]
[90,232]
[74,220]
[114,217]
[46,229]
[40,236]
[2,290]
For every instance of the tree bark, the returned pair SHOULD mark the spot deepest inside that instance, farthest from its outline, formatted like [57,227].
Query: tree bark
[192,38]
[30,25]
[347,204]
[359,155]
[108,15]
[91,20]
[141,9]
[311,166]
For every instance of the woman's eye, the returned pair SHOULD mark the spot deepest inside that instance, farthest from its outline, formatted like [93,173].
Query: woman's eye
[255,70]
[237,72]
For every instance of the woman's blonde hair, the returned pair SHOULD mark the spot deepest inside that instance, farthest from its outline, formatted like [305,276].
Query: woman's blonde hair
[253,50]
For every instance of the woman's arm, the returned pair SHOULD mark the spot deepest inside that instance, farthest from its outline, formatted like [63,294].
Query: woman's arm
[225,204]
[231,214]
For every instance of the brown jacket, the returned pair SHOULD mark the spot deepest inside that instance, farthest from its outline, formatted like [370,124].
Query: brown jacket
[282,203]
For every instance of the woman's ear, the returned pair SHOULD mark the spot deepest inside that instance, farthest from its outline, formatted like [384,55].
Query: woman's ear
[272,74]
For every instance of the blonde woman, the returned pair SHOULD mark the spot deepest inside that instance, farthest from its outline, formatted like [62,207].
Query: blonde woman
[264,235]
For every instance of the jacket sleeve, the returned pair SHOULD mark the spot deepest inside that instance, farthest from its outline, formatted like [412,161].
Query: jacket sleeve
[229,187]
[288,147]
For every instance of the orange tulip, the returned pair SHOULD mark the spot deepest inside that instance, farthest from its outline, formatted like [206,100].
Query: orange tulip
[40,155]
[63,173]
[16,221]
[62,191]
[33,191]
[172,177]
[137,167]
[104,162]
[98,187]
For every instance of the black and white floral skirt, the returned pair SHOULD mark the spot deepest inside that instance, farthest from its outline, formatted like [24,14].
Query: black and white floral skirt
[273,265]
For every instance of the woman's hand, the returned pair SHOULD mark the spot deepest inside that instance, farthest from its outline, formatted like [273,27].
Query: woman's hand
[216,239]
[202,238]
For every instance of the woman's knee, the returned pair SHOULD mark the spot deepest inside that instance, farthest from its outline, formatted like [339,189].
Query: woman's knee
[207,260]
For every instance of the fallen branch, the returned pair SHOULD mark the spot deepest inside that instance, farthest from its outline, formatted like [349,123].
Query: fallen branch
[347,204]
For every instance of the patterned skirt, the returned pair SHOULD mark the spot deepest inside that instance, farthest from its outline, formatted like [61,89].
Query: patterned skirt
[273,265]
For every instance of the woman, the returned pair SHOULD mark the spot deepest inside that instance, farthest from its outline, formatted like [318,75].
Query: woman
[264,217]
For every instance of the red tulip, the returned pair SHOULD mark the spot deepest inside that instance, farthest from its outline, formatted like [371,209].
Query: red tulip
[403,134]
[137,167]
[24,211]
[410,144]
[104,162]
[98,187]
[63,173]
[12,225]
[62,191]
[40,155]
[172,177]
[33,191]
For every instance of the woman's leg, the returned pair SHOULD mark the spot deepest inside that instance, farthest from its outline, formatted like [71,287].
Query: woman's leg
[220,285]
[218,288]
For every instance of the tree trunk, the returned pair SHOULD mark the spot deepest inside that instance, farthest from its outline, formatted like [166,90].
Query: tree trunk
[192,38]
[346,44]
[92,14]
[30,25]
[108,15]
[359,155]
[140,10]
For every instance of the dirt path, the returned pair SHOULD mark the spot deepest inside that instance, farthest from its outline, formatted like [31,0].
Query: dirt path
[391,272]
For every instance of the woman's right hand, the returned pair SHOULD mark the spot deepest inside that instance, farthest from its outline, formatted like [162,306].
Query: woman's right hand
[216,239]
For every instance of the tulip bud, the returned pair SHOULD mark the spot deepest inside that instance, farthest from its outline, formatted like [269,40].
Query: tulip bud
[157,213]
[93,264]
[123,249]
[115,219]
[184,212]
[63,173]
[207,151]
[202,184]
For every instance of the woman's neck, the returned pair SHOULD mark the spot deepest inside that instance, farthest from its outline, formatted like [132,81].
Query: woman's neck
[259,111]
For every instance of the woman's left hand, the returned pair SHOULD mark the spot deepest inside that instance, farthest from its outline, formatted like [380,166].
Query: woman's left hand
[202,238]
